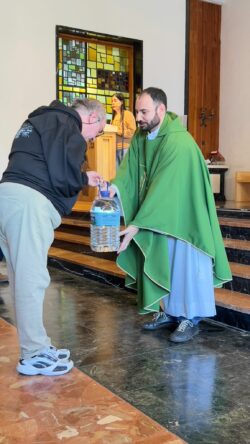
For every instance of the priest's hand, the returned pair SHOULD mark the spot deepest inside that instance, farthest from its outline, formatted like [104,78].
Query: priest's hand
[94,178]
[112,191]
[128,234]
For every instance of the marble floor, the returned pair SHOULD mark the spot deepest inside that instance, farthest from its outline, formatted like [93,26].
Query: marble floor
[198,391]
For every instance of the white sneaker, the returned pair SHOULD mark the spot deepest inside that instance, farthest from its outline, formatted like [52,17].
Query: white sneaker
[44,364]
[59,353]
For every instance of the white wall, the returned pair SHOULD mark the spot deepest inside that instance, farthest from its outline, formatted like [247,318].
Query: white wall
[27,31]
[235,89]
[28,78]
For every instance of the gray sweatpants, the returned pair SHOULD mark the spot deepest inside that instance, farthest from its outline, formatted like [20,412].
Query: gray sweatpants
[27,223]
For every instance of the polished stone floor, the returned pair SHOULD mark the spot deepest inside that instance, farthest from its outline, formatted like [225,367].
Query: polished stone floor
[73,408]
[200,391]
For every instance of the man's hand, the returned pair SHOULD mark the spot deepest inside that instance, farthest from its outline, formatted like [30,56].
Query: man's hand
[112,191]
[94,178]
[128,234]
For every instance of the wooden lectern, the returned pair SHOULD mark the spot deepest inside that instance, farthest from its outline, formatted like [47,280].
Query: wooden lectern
[101,157]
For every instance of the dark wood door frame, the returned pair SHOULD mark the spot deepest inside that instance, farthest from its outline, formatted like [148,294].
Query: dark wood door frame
[202,73]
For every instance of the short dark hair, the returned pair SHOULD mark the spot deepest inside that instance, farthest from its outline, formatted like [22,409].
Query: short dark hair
[156,94]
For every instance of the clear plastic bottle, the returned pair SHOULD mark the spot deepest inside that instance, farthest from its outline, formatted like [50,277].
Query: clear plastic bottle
[105,224]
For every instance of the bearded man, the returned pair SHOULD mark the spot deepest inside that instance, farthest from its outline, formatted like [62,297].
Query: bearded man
[172,249]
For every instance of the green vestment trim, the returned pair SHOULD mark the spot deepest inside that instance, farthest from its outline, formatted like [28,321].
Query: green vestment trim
[165,190]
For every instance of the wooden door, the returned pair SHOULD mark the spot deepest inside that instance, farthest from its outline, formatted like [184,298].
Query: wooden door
[203,73]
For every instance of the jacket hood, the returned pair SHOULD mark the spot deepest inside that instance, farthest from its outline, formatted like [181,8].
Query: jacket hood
[57,106]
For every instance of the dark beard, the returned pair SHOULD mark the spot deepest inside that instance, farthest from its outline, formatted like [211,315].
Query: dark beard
[151,125]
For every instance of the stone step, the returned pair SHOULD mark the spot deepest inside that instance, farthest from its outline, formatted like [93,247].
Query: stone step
[240,210]
[240,270]
[83,248]
[77,222]
[72,238]
[238,250]
[233,308]
[234,222]
[94,263]
[72,221]
[241,278]
[232,228]
[82,207]
[76,219]
[232,300]
[237,244]
[109,266]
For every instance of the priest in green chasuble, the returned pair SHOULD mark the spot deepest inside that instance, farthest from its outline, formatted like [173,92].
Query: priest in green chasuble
[172,250]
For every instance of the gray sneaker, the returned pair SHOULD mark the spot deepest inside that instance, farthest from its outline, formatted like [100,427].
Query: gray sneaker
[160,319]
[184,332]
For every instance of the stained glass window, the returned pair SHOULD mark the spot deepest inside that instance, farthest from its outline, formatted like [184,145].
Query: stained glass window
[94,70]
[71,69]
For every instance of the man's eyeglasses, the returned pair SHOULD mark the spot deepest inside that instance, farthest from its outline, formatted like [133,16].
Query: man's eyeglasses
[100,133]
[90,123]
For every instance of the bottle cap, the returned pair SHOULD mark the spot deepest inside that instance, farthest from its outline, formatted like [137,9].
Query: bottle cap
[104,193]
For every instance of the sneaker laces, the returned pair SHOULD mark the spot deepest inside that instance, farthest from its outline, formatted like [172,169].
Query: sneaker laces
[50,352]
[158,315]
[184,324]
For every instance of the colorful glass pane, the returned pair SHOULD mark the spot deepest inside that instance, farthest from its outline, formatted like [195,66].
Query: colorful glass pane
[92,70]
[92,53]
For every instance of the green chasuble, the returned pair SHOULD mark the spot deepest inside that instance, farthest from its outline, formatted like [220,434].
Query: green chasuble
[165,190]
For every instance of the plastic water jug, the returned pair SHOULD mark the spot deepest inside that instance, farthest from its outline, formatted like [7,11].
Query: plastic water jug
[105,223]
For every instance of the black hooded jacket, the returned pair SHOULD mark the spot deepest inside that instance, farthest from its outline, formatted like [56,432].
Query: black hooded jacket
[47,154]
